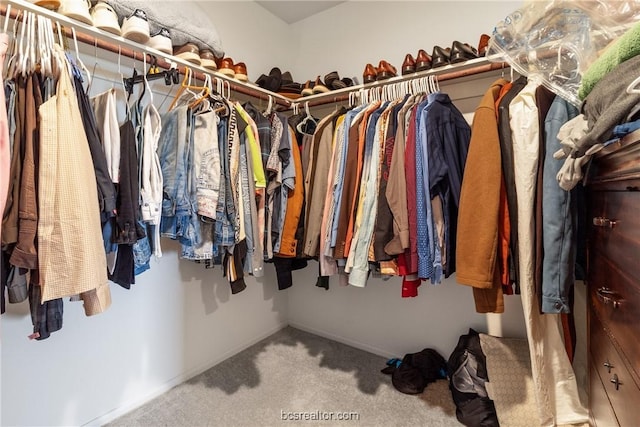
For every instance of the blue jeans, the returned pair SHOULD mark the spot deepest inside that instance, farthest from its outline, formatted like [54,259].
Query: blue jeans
[174,150]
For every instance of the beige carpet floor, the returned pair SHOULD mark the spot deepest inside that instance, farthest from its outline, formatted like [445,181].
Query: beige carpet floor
[296,374]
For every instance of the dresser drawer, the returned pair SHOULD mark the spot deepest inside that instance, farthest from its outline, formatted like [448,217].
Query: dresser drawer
[615,229]
[600,410]
[615,298]
[625,396]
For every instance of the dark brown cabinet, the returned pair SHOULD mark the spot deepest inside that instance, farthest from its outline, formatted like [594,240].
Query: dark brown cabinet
[613,280]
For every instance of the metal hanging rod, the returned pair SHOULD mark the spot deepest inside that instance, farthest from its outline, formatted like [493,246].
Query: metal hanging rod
[92,36]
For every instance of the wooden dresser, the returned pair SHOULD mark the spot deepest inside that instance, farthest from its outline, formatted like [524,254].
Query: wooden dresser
[613,197]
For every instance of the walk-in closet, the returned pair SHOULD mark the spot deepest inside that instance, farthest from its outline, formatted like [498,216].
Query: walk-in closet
[368,213]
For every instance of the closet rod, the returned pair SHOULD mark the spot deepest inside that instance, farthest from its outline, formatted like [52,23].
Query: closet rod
[92,36]
[343,95]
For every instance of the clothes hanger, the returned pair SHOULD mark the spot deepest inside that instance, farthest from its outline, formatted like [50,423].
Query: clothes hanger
[95,63]
[5,25]
[187,86]
[78,59]
[307,118]
[632,86]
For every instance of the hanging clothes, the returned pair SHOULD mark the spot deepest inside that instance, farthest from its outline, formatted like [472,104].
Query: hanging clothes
[477,244]
[554,380]
[67,189]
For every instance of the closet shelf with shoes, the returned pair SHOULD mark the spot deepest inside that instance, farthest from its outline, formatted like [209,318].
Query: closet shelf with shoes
[448,72]
[108,41]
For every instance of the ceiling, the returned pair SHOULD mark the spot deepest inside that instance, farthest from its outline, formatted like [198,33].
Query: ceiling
[294,11]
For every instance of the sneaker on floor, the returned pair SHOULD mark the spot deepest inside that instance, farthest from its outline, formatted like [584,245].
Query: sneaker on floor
[188,52]
[76,9]
[136,27]
[105,18]
[161,41]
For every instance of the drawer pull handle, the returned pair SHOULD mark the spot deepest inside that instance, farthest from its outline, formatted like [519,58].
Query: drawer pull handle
[616,381]
[609,297]
[608,365]
[601,221]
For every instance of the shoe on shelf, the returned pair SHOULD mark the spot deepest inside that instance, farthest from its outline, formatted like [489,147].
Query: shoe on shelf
[226,67]
[136,27]
[369,74]
[439,57]
[189,52]
[330,78]
[76,9]
[285,78]
[385,70]
[319,87]
[208,59]
[240,72]
[423,61]
[272,82]
[348,82]
[483,44]
[105,18]
[49,4]
[461,52]
[307,89]
[291,90]
[161,41]
[408,65]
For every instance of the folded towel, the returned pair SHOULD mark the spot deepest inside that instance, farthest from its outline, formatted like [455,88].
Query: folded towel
[623,48]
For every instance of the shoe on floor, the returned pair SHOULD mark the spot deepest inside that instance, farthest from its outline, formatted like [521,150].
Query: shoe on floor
[136,27]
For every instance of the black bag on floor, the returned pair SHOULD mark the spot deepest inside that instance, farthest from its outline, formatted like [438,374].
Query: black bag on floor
[467,368]
[417,370]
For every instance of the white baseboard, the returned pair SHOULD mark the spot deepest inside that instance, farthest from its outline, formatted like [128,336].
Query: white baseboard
[119,411]
[343,340]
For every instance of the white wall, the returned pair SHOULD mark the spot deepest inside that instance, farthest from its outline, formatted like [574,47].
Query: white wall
[348,36]
[377,318]
[252,35]
[177,320]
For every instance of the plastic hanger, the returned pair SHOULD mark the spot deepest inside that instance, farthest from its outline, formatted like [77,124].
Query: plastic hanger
[307,118]
[269,106]
[632,86]
[187,86]
[78,59]
[5,25]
